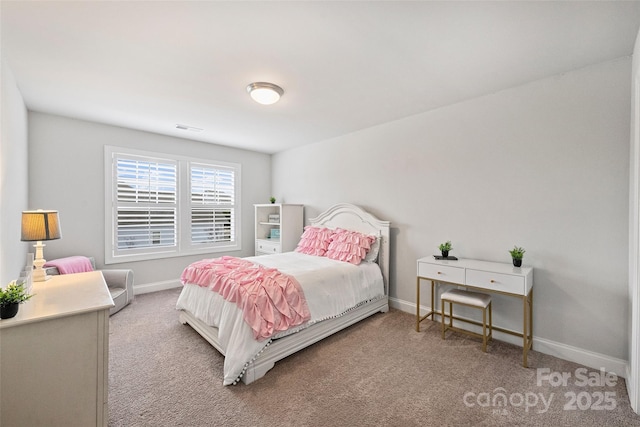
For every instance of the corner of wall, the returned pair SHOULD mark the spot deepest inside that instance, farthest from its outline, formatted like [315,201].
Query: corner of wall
[633,376]
[14,169]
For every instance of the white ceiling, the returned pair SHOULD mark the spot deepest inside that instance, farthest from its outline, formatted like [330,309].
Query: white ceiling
[344,66]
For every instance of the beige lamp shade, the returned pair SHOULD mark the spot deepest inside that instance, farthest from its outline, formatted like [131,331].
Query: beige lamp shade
[40,225]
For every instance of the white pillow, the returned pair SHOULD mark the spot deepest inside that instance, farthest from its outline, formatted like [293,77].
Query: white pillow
[372,255]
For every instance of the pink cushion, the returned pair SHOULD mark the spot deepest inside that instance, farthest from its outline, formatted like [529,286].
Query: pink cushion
[72,264]
[314,240]
[349,246]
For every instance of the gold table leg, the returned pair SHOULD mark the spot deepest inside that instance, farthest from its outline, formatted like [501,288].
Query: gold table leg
[418,304]
[430,313]
[527,326]
[433,307]
[525,333]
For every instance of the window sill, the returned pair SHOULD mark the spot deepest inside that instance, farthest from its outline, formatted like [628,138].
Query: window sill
[172,254]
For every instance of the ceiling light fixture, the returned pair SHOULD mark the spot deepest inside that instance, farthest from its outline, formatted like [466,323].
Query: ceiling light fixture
[189,128]
[265,93]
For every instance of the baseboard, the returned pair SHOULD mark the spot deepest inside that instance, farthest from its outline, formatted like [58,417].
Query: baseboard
[582,356]
[632,389]
[155,287]
[563,351]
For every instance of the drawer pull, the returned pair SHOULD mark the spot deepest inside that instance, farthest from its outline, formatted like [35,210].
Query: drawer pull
[439,272]
[492,281]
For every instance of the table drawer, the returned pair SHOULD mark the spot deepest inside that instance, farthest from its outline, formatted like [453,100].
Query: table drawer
[445,273]
[496,281]
[267,247]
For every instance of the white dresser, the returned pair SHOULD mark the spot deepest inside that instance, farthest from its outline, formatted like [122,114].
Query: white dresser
[278,227]
[54,355]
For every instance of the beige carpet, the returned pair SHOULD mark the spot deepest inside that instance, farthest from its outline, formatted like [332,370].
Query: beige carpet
[380,372]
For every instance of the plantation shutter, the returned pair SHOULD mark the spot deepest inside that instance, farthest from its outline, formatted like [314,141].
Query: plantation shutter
[146,204]
[212,204]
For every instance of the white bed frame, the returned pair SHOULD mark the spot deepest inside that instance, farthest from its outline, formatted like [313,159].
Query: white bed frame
[342,215]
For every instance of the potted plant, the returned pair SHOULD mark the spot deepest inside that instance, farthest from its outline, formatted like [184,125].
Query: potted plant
[516,255]
[272,199]
[445,248]
[10,299]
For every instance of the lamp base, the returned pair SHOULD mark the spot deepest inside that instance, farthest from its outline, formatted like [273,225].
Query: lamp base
[40,275]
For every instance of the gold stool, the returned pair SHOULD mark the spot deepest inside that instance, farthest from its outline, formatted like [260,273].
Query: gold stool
[470,299]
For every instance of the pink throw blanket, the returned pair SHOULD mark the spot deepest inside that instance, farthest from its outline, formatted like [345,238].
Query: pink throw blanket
[270,301]
[72,264]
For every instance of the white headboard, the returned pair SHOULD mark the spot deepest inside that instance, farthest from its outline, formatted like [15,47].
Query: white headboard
[351,217]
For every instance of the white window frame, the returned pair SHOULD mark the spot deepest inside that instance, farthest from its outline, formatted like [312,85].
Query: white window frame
[183,245]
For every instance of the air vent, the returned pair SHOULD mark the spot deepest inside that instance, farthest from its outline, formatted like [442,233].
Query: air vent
[189,128]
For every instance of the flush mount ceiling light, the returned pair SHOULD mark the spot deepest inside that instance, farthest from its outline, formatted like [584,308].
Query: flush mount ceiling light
[265,93]
[189,128]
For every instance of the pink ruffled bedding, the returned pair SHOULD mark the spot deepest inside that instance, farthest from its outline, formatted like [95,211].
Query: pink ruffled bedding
[270,301]
[314,241]
[339,244]
[349,246]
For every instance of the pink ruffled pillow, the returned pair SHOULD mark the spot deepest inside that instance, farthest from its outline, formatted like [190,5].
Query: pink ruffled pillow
[349,246]
[314,240]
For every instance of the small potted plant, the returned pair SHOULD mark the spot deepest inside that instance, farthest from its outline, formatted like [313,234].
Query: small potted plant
[272,199]
[445,248]
[10,299]
[516,255]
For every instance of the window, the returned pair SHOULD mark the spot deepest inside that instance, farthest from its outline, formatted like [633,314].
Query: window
[146,204]
[212,204]
[161,206]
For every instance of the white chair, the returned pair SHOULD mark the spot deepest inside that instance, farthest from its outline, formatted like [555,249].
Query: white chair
[470,299]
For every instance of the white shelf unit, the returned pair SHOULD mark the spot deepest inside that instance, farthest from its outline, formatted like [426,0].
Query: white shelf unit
[289,227]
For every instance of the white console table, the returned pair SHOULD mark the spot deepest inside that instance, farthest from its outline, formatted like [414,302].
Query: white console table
[484,276]
[54,355]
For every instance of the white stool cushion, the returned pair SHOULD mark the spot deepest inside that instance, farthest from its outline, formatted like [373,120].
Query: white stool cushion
[460,296]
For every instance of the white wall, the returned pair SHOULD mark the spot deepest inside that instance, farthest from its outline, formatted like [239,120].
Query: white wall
[544,166]
[66,173]
[13,178]
[633,376]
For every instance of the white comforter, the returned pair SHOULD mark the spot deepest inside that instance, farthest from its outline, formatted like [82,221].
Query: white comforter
[330,288]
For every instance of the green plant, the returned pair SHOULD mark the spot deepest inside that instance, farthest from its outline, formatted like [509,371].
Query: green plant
[13,294]
[272,199]
[517,252]
[446,246]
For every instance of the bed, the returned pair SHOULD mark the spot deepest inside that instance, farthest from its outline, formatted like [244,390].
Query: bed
[246,359]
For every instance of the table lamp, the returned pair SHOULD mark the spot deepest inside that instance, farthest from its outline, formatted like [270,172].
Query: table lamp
[38,226]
